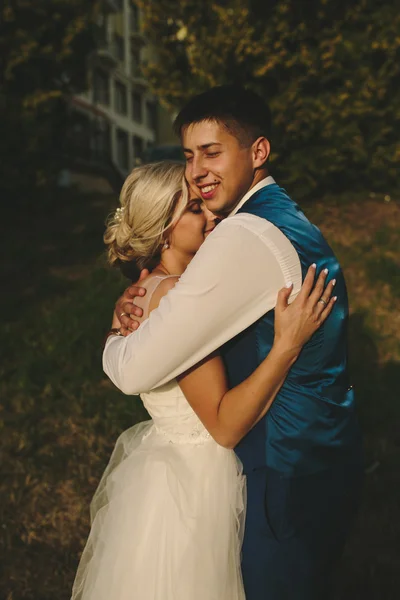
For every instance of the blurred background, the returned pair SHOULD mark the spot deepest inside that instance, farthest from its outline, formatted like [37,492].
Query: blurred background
[88,89]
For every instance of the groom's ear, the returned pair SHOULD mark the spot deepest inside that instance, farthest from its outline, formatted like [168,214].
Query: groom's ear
[261,149]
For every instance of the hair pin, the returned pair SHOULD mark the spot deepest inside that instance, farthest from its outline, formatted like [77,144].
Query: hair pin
[119,213]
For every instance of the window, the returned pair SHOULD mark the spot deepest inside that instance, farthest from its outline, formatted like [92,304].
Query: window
[121,102]
[134,18]
[102,142]
[119,44]
[137,111]
[80,133]
[122,149]
[151,115]
[135,63]
[138,147]
[100,30]
[101,87]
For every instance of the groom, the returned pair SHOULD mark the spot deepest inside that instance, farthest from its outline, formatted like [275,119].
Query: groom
[303,459]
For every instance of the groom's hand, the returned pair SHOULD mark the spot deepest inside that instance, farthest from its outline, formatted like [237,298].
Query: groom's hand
[125,308]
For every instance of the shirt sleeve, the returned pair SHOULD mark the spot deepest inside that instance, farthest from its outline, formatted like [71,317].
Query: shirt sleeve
[232,281]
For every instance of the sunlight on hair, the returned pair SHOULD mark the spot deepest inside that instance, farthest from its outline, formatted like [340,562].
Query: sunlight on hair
[152,198]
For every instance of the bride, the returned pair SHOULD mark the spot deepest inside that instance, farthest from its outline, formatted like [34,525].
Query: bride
[168,515]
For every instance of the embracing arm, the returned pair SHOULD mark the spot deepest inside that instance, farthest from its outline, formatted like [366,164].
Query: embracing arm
[228,415]
[208,306]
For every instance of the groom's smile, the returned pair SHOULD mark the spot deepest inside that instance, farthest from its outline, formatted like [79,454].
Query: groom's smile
[217,166]
[207,191]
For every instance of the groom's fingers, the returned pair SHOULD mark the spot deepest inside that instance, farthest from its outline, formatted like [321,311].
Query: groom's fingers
[127,317]
[143,274]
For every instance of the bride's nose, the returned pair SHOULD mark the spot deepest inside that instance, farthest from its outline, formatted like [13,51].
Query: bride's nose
[210,217]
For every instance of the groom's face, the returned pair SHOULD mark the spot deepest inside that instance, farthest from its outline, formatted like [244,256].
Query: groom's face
[218,168]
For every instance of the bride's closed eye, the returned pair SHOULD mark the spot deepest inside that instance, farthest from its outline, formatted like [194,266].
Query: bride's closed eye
[195,207]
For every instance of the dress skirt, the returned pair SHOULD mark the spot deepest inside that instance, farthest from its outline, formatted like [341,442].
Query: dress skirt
[167,522]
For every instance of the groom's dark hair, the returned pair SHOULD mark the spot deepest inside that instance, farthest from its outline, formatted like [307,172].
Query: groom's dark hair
[241,111]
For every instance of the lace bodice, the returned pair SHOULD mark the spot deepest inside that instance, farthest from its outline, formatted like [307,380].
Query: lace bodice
[172,415]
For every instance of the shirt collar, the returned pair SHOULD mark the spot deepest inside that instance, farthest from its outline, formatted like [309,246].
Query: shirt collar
[263,183]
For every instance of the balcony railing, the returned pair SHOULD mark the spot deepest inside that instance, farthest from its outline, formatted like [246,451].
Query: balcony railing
[107,55]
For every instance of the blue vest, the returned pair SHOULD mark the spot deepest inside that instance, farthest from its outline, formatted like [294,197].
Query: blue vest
[312,424]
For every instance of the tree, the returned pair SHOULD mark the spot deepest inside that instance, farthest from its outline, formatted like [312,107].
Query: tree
[44,48]
[329,69]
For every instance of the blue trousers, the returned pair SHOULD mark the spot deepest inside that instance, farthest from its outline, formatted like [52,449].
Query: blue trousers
[295,532]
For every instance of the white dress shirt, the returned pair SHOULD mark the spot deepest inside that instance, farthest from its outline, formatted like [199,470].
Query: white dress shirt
[231,282]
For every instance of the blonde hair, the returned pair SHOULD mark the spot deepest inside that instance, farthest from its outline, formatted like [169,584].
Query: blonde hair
[152,199]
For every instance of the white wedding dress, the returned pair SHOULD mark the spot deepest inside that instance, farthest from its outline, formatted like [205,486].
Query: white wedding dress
[168,515]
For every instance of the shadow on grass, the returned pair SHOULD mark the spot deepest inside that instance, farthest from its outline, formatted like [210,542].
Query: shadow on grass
[370,566]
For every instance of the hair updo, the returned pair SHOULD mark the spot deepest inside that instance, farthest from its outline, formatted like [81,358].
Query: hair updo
[152,198]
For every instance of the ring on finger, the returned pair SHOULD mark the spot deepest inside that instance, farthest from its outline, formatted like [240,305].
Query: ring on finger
[324,302]
[123,314]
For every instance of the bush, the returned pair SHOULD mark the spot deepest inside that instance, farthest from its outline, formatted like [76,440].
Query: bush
[329,69]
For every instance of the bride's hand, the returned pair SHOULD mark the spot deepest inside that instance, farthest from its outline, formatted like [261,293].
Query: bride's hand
[297,322]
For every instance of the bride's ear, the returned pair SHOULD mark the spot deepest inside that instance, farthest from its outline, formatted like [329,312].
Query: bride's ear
[261,150]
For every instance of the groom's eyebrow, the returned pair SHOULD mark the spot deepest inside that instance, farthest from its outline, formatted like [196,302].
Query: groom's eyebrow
[203,146]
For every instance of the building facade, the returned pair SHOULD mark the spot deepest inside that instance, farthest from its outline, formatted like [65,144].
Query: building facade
[117,119]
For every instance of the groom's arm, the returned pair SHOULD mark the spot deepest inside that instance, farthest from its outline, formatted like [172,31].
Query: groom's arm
[231,282]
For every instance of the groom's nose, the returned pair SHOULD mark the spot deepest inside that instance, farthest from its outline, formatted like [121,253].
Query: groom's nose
[198,170]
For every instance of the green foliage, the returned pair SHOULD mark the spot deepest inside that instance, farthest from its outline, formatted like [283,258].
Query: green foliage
[44,48]
[329,69]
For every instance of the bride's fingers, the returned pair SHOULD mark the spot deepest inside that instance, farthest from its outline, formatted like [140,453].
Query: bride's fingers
[319,288]
[307,284]
[326,310]
[323,302]
[283,297]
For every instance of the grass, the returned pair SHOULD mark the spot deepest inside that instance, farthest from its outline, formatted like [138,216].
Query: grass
[365,235]
[60,416]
